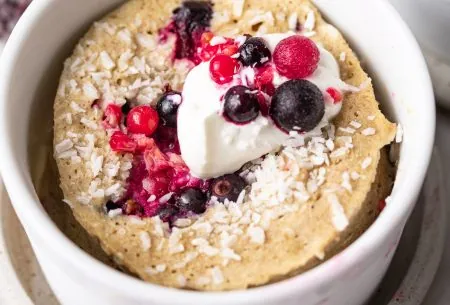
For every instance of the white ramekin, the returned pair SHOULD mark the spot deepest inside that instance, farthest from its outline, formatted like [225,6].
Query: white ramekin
[29,71]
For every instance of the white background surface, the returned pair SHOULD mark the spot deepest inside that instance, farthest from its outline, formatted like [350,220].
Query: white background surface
[439,293]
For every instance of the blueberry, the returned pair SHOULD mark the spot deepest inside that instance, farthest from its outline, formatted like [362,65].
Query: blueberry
[167,212]
[192,200]
[297,105]
[241,105]
[227,187]
[191,19]
[167,108]
[110,205]
[254,52]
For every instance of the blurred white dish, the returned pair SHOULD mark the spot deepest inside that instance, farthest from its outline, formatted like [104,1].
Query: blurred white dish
[430,22]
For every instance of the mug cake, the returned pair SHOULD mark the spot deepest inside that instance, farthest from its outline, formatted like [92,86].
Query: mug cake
[220,145]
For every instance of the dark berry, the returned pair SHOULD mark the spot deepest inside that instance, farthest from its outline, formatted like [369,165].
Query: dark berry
[254,52]
[167,108]
[297,105]
[241,105]
[227,187]
[222,68]
[190,21]
[192,200]
[296,57]
[126,107]
[111,205]
[167,212]
[142,120]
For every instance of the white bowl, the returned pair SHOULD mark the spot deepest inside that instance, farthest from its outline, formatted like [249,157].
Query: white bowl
[29,72]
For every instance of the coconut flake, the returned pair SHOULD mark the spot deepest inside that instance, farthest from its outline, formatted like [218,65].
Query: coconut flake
[338,217]
[368,131]
[106,61]
[238,8]
[217,276]
[256,235]
[366,162]
[63,146]
[88,123]
[146,242]
[115,213]
[310,21]
[293,21]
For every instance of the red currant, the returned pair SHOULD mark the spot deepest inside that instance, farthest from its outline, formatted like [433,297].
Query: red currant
[142,119]
[113,115]
[296,57]
[120,142]
[264,80]
[335,94]
[222,68]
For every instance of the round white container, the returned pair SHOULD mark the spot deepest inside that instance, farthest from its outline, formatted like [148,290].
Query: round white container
[31,64]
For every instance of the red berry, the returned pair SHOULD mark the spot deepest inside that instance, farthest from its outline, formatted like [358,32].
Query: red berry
[206,38]
[222,68]
[381,205]
[296,57]
[335,94]
[120,142]
[113,115]
[264,80]
[142,119]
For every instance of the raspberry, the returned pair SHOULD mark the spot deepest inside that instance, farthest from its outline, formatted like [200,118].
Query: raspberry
[222,69]
[142,119]
[120,142]
[296,57]
[335,94]
[112,117]
[264,80]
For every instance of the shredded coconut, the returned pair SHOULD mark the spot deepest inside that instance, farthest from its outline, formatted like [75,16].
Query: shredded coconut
[338,217]
[238,8]
[114,213]
[368,131]
[257,235]
[293,21]
[217,276]
[366,163]
[146,242]
[310,21]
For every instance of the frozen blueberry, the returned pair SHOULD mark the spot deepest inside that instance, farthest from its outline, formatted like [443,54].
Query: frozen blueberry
[297,105]
[167,108]
[192,200]
[254,52]
[241,105]
[227,187]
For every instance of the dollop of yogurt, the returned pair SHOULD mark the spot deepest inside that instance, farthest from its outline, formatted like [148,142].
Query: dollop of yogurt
[211,146]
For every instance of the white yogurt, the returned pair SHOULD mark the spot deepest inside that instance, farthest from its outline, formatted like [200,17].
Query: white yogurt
[212,146]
